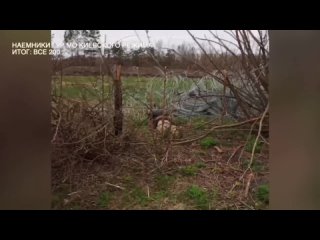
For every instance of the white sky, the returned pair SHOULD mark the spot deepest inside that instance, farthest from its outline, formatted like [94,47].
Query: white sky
[169,38]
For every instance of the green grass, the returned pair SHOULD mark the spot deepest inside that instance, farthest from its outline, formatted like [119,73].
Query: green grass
[77,79]
[71,92]
[192,170]
[129,182]
[57,200]
[200,165]
[137,92]
[140,122]
[199,123]
[137,196]
[263,193]
[144,88]
[208,142]
[60,195]
[181,120]
[79,92]
[249,146]
[158,196]
[104,199]
[198,197]
[135,89]
[256,166]
[163,182]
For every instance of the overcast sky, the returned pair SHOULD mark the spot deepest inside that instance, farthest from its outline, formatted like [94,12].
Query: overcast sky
[170,38]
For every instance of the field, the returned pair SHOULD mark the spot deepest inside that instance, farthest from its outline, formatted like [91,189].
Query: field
[142,170]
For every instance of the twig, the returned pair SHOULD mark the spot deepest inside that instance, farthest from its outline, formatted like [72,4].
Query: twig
[217,127]
[247,205]
[73,193]
[165,158]
[248,138]
[234,186]
[219,150]
[116,186]
[256,141]
[264,140]
[250,176]
[234,152]
[235,169]
[57,128]
[86,137]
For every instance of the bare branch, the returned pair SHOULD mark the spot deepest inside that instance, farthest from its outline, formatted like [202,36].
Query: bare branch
[216,127]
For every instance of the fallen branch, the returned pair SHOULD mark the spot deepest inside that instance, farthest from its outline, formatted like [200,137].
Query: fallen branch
[219,150]
[250,176]
[234,152]
[247,205]
[248,138]
[116,186]
[217,127]
[256,141]
[264,140]
[73,193]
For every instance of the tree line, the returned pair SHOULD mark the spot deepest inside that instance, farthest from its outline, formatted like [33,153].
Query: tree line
[183,56]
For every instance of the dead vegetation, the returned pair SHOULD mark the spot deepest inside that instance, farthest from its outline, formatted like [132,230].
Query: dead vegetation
[141,169]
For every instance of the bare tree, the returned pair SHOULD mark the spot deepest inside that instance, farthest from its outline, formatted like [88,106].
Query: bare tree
[247,78]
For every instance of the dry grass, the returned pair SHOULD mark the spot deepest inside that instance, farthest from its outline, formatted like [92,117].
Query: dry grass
[93,169]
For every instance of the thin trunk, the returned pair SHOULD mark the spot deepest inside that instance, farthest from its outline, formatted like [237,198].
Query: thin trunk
[118,116]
